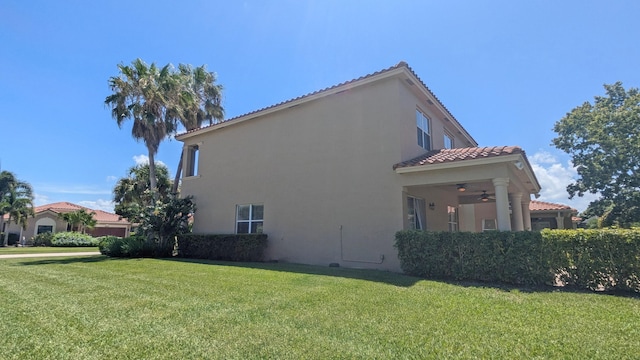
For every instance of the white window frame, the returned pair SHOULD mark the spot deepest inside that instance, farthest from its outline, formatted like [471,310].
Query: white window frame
[416,213]
[448,136]
[489,225]
[423,130]
[251,220]
[452,214]
[192,158]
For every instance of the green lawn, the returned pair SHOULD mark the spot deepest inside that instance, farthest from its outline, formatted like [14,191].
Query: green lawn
[101,308]
[43,249]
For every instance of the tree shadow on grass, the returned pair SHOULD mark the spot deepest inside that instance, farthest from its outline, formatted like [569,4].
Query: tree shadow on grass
[538,288]
[64,260]
[380,276]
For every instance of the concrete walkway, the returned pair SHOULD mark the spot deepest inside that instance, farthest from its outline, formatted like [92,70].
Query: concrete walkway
[14,256]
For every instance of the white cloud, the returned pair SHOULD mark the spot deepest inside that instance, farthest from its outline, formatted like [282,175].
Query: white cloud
[100,204]
[72,189]
[554,177]
[111,178]
[40,199]
[144,159]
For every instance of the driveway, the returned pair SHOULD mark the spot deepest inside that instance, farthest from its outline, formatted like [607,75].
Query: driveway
[14,256]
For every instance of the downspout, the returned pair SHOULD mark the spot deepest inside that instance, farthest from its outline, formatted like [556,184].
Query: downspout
[356,261]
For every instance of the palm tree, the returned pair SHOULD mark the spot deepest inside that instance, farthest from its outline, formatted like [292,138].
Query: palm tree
[201,101]
[79,220]
[131,194]
[148,96]
[16,200]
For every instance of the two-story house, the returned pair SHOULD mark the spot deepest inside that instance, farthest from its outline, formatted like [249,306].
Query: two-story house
[332,175]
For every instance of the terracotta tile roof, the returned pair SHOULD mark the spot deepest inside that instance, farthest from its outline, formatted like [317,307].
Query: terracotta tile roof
[65,207]
[401,64]
[536,205]
[459,154]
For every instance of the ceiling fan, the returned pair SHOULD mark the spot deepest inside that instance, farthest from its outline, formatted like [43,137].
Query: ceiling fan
[485,196]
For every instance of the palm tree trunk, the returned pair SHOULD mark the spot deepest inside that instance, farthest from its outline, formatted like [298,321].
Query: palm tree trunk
[5,242]
[153,181]
[176,180]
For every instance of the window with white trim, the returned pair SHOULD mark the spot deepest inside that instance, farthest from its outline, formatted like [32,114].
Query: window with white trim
[191,168]
[448,141]
[424,130]
[453,218]
[489,225]
[415,213]
[249,218]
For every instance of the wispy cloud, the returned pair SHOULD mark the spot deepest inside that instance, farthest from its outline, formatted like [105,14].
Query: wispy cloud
[40,199]
[100,204]
[111,178]
[73,189]
[144,159]
[554,177]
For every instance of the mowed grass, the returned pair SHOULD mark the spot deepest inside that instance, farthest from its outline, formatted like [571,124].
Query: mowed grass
[9,250]
[101,308]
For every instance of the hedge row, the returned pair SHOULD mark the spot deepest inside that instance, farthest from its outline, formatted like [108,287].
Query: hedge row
[231,247]
[593,259]
[133,246]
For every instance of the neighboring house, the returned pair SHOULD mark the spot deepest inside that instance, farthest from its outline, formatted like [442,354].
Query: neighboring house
[332,176]
[546,215]
[47,219]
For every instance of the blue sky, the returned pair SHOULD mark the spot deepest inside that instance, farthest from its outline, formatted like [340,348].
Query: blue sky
[507,70]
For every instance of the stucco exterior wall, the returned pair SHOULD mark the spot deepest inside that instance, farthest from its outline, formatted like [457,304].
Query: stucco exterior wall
[322,170]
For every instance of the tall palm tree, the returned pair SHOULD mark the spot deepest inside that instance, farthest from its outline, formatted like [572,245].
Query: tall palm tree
[201,101]
[16,200]
[148,95]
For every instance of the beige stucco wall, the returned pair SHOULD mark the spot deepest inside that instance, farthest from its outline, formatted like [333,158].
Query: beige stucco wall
[323,171]
[45,218]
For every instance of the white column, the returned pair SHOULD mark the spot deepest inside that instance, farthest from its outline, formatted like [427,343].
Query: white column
[502,203]
[560,220]
[526,213]
[516,206]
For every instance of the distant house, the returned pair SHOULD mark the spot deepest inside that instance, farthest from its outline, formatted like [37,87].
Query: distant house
[332,175]
[47,219]
[546,215]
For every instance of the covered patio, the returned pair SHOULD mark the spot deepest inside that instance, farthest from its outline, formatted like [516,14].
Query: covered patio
[468,189]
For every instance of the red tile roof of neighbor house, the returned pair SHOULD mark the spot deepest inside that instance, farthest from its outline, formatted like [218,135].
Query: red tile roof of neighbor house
[536,205]
[65,207]
[459,154]
[401,64]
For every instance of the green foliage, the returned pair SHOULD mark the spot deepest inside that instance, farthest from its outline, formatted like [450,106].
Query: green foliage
[43,239]
[79,219]
[132,194]
[133,246]
[16,200]
[166,220]
[607,259]
[602,139]
[73,239]
[506,257]
[232,247]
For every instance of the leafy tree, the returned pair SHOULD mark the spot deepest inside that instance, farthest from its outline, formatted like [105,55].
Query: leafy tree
[149,96]
[16,200]
[163,221]
[201,102]
[132,194]
[80,220]
[602,139]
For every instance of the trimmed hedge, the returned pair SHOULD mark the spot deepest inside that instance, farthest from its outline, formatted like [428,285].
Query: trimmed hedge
[606,259]
[593,259]
[133,246]
[230,247]
[73,239]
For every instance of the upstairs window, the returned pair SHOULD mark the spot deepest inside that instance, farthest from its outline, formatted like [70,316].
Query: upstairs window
[448,141]
[192,160]
[424,130]
[249,219]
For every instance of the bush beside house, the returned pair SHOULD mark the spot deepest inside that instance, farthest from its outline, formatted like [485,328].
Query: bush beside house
[593,259]
[231,247]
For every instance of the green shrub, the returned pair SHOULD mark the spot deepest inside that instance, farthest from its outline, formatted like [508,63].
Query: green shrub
[42,239]
[506,257]
[606,259]
[231,247]
[73,239]
[598,259]
[133,246]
